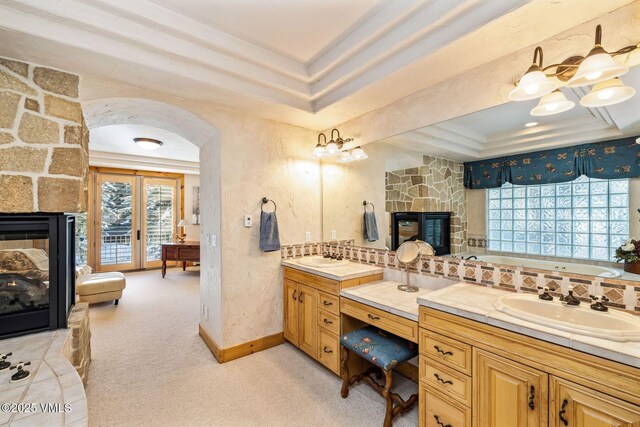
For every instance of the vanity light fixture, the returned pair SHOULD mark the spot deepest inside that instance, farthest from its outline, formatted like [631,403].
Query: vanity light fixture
[345,157]
[552,103]
[597,68]
[331,148]
[320,151]
[608,92]
[534,83]
[148,143]
[358,153]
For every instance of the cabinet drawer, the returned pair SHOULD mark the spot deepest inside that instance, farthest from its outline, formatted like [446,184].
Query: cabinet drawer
[171,252]
[189,253]
[450,382]
[329,351]
[329,321]
[389,322]
[437,410]
[449,352]
[331,303]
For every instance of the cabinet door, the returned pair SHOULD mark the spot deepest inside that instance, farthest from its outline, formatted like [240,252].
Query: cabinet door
[291,311]
[507,393]
[576,406]
[307,320]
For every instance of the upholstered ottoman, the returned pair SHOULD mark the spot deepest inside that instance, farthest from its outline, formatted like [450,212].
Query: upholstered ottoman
[385,351]
[100,287]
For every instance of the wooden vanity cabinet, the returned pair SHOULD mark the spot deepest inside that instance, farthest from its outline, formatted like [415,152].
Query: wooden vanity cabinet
[473,374]
[312,314]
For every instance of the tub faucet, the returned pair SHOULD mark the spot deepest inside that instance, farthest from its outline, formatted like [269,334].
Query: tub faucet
[471,256]
[598,303]
[570,299]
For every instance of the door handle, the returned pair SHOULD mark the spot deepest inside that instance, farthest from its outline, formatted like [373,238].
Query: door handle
[441,380]
[300,297]
[138,235]
[372,317]
[327,349]
[563,411]
[532,398]
[444,353]
[328,322]
[294,294]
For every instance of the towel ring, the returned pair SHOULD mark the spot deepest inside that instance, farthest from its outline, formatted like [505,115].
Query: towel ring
[265,201]
[365,203]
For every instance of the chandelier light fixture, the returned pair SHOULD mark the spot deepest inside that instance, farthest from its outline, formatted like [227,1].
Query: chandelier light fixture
[334,147]
[598,68]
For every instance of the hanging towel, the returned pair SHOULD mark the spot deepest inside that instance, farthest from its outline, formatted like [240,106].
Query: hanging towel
[370,227]
[269,235]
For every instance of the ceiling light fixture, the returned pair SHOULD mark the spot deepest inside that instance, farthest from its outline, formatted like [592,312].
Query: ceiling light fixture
[334,148]
[148,143]
[609,92]
[598,67]
[552,103]
[530,124]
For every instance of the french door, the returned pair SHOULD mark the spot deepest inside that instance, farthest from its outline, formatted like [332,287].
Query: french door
[134,216]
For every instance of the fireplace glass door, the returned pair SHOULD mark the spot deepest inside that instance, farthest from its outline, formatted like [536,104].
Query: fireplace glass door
[24,273]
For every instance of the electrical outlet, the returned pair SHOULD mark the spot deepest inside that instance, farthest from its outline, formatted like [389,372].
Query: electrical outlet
[307,236]
[213,239]
[334,235]
[248,221]
[206,313]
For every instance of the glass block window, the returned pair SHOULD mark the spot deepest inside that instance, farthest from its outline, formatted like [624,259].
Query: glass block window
[587,218]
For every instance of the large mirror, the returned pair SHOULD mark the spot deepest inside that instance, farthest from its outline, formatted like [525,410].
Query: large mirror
[414,184]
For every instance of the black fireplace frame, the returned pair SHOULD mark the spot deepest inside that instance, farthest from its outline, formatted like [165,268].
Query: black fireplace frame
[62,282]
[441,248]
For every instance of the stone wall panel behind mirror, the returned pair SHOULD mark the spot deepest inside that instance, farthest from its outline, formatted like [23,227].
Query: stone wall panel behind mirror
[44,152]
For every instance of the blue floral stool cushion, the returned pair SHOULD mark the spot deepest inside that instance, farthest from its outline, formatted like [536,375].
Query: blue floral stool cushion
[385,351]
[379,347]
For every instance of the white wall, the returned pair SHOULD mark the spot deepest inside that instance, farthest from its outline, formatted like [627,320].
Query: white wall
[190,181]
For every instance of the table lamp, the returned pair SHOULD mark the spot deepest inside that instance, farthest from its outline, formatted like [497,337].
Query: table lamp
[181,235]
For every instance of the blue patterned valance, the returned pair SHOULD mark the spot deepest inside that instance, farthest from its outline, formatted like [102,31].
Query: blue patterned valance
[607,160]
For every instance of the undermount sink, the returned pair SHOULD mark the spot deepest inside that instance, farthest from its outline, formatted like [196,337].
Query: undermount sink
[612,325]
[321,262]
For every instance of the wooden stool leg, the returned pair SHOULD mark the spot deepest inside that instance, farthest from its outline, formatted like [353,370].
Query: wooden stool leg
[386,393]
[345,374]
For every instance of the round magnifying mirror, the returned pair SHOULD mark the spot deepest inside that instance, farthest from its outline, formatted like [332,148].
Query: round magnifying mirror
[408,252]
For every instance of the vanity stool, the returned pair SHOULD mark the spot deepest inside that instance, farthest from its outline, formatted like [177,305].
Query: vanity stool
[385,351]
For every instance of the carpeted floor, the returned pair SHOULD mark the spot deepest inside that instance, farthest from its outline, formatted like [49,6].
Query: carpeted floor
[150,368]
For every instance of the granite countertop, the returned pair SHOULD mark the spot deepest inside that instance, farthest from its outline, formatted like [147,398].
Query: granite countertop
[53,380]
[353,270]
[477,303]
[385,296]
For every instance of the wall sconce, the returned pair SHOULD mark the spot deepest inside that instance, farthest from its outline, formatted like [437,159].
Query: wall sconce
[597,68]
[334,148]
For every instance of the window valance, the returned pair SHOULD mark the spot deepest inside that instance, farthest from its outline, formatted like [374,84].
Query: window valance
[619,158]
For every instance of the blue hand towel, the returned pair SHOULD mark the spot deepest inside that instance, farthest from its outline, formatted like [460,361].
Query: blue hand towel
[370,227]
[269,235]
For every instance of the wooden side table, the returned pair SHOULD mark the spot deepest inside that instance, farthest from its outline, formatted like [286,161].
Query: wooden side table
[181,252]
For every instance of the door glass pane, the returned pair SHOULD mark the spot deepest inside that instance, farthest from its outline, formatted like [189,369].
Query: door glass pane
[160,201]
[116,215]
[81,239]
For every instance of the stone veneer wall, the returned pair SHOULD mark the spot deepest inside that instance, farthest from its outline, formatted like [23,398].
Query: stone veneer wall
[44,152]
[624,294]
[77,348]
[436,186]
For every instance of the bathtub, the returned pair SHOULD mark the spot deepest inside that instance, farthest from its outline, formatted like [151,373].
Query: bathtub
[566,267]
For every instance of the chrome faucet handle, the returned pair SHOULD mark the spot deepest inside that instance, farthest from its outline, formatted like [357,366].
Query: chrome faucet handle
[545,294]
[598,303]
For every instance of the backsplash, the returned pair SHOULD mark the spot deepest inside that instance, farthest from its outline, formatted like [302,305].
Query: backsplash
[624,294]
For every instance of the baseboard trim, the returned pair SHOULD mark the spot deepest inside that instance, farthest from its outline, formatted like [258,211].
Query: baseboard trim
[227,354]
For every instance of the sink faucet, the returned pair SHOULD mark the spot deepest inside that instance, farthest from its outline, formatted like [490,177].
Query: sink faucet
[472,256]
[598,303]
[545,294]
[570,299]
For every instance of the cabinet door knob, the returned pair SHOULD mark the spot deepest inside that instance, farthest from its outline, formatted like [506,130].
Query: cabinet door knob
[441,380]
[327,349]
[532,398]
[372,317]
[563,411]
[444,353]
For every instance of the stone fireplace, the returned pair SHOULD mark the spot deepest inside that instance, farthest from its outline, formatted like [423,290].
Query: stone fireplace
[43,173]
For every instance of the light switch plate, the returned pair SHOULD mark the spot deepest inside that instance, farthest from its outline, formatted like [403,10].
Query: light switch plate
[214,240]
[334,235]
[307,236]
[248,220]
